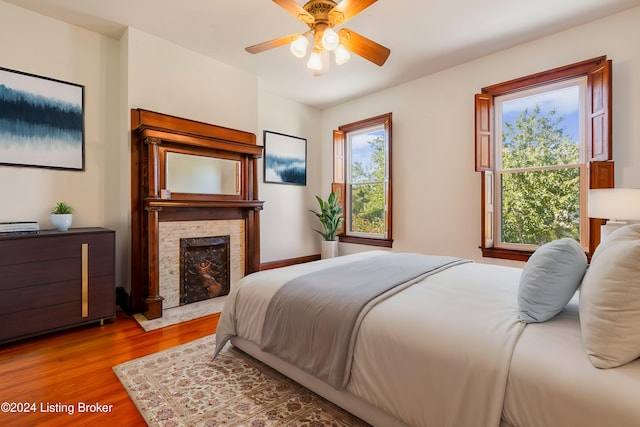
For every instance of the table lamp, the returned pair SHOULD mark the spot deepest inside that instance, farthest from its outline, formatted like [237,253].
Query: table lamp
[614,204]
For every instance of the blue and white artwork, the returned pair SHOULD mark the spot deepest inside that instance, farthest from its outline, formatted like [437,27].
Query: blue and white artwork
[285,159]
[41,121]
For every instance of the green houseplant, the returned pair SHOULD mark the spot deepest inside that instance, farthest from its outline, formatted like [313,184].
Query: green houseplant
[61,216]
[61,208]
[330,216]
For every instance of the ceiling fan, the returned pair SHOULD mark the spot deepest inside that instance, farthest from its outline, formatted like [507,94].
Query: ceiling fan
[322,16]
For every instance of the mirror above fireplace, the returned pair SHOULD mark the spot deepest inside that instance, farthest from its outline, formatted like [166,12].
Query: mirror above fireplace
[188,173]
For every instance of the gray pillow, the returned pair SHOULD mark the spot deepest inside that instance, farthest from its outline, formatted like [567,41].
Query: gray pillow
[550,279]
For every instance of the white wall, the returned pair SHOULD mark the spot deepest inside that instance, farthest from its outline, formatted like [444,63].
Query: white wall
[67,53]
[436,191]
[286,225]
[170,79]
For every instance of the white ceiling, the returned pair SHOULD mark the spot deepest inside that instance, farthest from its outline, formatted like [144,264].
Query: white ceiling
[425,36]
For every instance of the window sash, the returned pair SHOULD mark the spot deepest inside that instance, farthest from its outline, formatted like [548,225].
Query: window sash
[350,184]
[381,217]
[497,238]
[499,100]
[497,212]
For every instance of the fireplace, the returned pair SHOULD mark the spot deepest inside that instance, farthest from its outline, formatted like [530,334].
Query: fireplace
[166,210]
[204,268]
[172,234]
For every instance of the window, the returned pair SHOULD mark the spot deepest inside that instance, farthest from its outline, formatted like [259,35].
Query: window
[540,170]
[541,142]
[362,178]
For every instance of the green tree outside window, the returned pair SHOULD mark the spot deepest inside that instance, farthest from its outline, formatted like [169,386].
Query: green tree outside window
[367,190]
[540,205]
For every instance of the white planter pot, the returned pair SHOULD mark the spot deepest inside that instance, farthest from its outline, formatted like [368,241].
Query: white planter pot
[61,222]
[329,249]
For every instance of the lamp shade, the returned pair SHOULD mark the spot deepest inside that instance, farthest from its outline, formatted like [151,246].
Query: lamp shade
[330,39]
[299,46]
[315,61]
[614,203]
[342,55]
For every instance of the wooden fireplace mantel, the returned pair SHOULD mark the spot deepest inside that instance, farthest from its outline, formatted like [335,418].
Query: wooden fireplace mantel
[212,204]
[153,135]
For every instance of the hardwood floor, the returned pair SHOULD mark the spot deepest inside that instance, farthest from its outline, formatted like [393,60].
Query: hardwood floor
[68,369]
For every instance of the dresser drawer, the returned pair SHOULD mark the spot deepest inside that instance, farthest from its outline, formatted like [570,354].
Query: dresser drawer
[28,298]
[39,261]
[39,320]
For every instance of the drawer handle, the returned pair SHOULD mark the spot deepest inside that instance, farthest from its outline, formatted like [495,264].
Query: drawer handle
[85,280]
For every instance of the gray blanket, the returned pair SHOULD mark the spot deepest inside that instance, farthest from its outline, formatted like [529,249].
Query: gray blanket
[312,320]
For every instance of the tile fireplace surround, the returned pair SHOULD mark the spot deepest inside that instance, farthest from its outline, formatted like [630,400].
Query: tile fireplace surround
[169,251]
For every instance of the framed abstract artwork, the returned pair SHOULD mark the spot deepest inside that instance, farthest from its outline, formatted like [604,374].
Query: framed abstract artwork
[41,121]
[285,159]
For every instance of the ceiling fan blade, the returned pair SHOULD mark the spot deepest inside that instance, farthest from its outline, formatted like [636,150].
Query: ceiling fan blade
[261,47]
[364,47]
[296,10]
[347,9]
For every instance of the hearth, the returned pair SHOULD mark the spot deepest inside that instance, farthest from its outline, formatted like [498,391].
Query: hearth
[205,264]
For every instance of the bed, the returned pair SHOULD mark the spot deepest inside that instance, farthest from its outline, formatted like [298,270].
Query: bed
[447,349]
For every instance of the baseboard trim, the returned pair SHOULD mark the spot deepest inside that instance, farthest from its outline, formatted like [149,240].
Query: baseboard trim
[286,262]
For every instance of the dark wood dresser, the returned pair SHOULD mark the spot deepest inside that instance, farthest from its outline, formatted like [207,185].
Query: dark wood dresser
[53,280]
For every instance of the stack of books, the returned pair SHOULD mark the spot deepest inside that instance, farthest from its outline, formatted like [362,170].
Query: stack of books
[19,227]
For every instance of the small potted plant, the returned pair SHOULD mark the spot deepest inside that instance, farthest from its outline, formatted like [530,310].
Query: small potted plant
[330,216]
[61,216]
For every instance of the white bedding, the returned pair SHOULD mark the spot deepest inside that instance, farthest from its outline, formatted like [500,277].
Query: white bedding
[407,361]
[553,383]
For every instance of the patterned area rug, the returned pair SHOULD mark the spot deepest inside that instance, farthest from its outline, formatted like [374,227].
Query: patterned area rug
[181,386]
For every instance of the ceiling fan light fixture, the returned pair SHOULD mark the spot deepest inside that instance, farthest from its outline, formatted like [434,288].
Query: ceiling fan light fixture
[299,46]
[330,39]
[322,17]
[342,55]
[315,61]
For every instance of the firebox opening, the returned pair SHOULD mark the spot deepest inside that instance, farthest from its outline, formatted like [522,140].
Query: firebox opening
[205,264]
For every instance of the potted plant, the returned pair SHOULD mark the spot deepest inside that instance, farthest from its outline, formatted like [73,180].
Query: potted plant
[330,216]
[61,216]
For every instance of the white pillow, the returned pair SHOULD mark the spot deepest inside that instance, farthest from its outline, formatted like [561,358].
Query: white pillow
[549,280]
[610,300]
